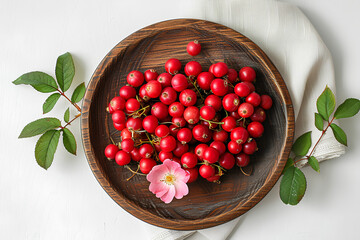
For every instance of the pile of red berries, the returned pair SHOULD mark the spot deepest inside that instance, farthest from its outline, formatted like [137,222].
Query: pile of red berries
[205,120]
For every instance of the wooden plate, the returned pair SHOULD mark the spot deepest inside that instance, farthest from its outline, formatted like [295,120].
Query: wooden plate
[207,204]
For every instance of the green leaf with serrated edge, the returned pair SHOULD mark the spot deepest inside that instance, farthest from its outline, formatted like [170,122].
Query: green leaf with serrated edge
[339,134]
[349,108]
[69,141]
[326,103]
[67,115]
[78,93]
[45,148]
[302,145]
[314,163]
[289,163]
[39,126]
[50,102]
[65,71]
[292,186]
[38,80]
[319,122]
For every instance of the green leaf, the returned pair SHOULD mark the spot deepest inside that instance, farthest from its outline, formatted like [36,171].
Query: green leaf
[65,71]
[292,186]
[314,163]
[42,82]
[78,93]
[339,134]
[326,103]
[50,102]
[67,115]
[349,108]
[45,148]
[69,141]
[289,163]
[39,126]
[319,122]
[302,144]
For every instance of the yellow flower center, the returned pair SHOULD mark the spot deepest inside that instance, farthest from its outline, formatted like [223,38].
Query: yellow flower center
[169,179]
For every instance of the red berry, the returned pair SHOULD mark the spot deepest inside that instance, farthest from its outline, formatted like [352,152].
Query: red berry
[213,101]
[242,89]
[176,109]
[232,75]
[242,160]
[110,151]
[117,103]
[150,74]
[122,158]
[188,97]
[245,110]
[206,171]
[234,147]
[159,110]
[146,150]
[194,173]
[118,117]
[199,150]
[250,85]
[192,114]
[189,160]
[146,164]
[168,95]
[235,115]
[227,161]
[135,78]
[168,144]
[125,134]
[180,149]
[239,135]
[119,126]
[215,178]
[250,147]
[153,89]
[247,74]
[220,146]
[221,135]
[193,48]
[207,112]
[150,123]
[229,123]
[173,66]
[219,87]
[127,145]
[184,135]
[178,122]
[142,93]
[162,131]
[211,68]
[134,123]
[266,102]
[173,130]
[204,80]
[192,68]
[132,105]
[255,129]
[127,92]
[254,99]
[165,79]
[259,115]
[179,82]
[165,155]
[202,133]
[135,155]
[231,102]
[211,155]
[220,69]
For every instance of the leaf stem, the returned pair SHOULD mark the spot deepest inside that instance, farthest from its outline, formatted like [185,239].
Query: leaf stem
[74,104]
[71,121]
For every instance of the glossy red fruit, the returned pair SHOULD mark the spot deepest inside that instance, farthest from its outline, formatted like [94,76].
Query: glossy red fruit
[176,109]
[168,95]
[207,112]
[162,131]
[202,133]
[231,102]
[220,69]
[234,147]
[122,158]
[247,74]
[199,150]
[146,150]
[194,173]
[159,110]
[173,66]
[211,155]
[221,135]
[232,75]
[266,102]
[135,155]
[219,87]
[134,124]
[255,129]
[239,135]
[229,123]
[259,115]
[254,99]
[250,147]
[132,105]
[180,149]
[215,178]
[250,85]
[150,123]
[204,80]
[150,74]
[135,78]
[110,151]
[213,101]
[227,161]
[189,160]
[242,89]
[192,68]
[127,145]
[174,130]
[117,104]
[125,134]
[192,114]
[168,144]
[211,68]
[142,93]
[118,117]
[179,82]
[206,171]
[220,146]
[188,97]
[153,89]
[193,48]
[184,135]
[178,122]
[165,155]
[146,164]
[242,160]
[119,126]
[165,79]
[235,115]
[245,110]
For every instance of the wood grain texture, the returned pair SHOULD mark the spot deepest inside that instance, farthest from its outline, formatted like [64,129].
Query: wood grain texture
[207,204]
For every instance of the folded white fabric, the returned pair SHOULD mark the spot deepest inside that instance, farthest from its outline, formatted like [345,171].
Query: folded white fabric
[284,33]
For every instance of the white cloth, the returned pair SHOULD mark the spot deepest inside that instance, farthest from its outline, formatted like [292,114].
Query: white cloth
[284,33]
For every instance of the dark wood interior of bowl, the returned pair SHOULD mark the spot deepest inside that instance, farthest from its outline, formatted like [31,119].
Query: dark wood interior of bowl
[207,204]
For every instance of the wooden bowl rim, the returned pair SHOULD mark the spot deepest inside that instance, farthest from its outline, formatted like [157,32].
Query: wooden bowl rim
[133,208]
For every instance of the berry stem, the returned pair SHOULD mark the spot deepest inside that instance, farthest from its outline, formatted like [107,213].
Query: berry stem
[74,104]
[220,123]
[134,172]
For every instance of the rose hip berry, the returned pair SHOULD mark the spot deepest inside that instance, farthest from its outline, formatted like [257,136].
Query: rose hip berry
[231,102]
[162,131]
[132,105]
[127,92]
[179,82]
[192,68]
[221,136]
[211,155]
[239,135]
[242,160]
[150,123]
[188,97]
[165,155]
[150,74]
[232,75]
[227,161]
[245,110]
[117,103]
[207,112]
[110,151]
[159,110]
[125,134]
[146,150]
[202,133]
[173,66]
[254,99]
[220,146]
[135,155]
[135,78]
[146,164]
[259,115]
[180,149]
[153,89]
[178,121]
[234,147]
[118,117]
[206,171]
[199,150]
[204,80]
[165,79]
[134,124]
[219,87]
[168,144]
[127,145]
[229,123]
[242,89]
[184,135]
[192,115]
[176,109]
[213,101]
[142,93]
[255,129]
[122,158]
[168,95]
[247,74]
[193,48]
[220,69]
[250,147]
[189,160]
[266,102]
[194,173]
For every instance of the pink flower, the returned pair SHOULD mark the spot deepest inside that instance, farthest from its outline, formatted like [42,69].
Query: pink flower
[168,180]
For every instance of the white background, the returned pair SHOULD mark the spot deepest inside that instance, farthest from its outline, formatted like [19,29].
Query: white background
[66,201]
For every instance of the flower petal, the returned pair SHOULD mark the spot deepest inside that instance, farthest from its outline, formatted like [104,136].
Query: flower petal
[172,165]
[181,189]
[156,188]
[181,175]
[169,196]
[157,173]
